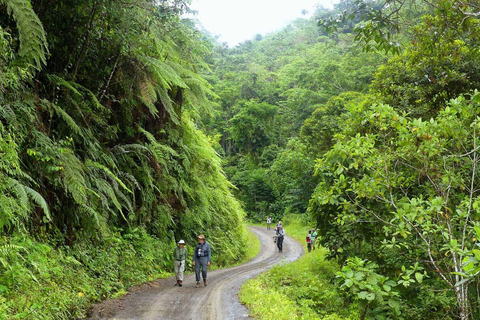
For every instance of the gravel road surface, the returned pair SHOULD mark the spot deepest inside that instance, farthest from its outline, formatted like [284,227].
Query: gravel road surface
[161,300]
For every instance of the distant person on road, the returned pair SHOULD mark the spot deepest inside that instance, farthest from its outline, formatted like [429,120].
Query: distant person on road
[309,241]
[280,236]
[279,224]
[201,259]
[179,256]
[314,236]
[269,221]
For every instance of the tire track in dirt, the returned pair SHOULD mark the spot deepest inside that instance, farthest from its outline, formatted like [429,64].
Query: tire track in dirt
[161,300]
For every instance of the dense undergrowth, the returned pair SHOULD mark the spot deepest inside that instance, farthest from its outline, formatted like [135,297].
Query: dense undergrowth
[102,164]
[44,282]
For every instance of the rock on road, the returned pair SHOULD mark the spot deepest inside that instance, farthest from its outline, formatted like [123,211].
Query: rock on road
[161,300]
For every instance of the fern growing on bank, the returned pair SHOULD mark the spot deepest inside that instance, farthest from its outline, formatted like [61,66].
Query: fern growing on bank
[33,43]
[107,165]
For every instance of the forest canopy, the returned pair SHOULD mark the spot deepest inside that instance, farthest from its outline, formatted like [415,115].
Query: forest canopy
[102,168]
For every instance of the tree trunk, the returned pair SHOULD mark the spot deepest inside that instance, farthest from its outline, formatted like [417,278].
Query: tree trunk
[461,293]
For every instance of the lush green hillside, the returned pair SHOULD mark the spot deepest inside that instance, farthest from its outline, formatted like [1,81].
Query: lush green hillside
[102,168]
[371,132]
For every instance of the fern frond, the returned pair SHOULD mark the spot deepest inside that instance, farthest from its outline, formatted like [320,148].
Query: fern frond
[7,113]
[73,177]
[107,189]
[148,95]
[163,72]
[136,148]
[19,191]
[33,42]
[167,104]
[158,146]
[128,177]
[97,165]
[39,200]
[99,219]
[72,124]
[7,250]
[24,192]
[126,201]
[59,81]
[87,97]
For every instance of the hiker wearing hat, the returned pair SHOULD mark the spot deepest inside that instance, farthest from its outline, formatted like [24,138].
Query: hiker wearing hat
[179,256]
[201,259]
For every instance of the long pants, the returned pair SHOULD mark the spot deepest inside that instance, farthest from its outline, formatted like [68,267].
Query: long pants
[179,269]
[201,262]
[280,243]
[268,226]
[313,243]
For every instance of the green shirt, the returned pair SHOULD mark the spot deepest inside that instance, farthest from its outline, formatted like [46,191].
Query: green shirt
[180,254]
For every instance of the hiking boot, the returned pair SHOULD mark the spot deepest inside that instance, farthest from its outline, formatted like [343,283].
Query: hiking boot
[180,283]
[176,283]
[197,285]
[205,282]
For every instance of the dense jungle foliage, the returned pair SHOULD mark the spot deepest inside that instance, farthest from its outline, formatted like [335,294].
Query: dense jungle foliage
[123,128]
[364,119]
[102,167]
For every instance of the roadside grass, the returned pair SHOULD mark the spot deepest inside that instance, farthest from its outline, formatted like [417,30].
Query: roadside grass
[252,248]
[304,289]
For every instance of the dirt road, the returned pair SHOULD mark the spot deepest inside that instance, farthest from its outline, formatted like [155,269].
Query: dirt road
[160,299]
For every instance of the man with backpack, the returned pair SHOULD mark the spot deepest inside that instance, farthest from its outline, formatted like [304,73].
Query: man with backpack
[280,236]
[201,259]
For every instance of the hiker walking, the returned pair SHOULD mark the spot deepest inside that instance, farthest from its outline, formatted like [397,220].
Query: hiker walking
[309,240]
[280,236]
[279,224]
[314,236]
[179,256]
[269,221]
[201,259]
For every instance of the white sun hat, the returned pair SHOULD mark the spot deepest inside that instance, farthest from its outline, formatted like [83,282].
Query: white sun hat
[181,242]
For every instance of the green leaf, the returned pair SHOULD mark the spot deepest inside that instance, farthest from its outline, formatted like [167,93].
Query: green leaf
[476,252]
[349,283]
[363,295]
[419,277]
